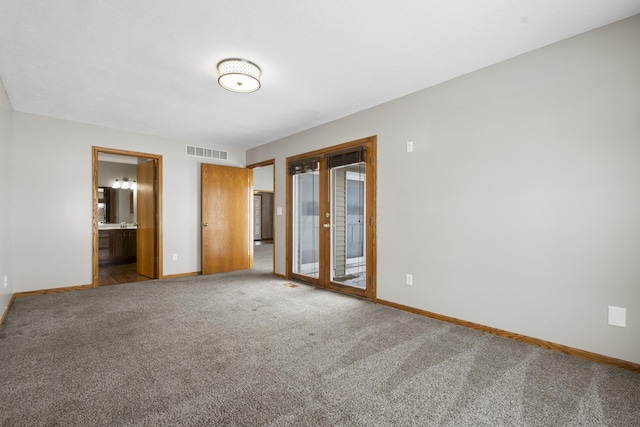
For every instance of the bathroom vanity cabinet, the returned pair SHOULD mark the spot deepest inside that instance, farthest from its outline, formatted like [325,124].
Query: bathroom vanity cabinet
[117,246]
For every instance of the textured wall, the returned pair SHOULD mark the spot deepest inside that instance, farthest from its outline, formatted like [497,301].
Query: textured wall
[52,175]
[519,206]
[6,199]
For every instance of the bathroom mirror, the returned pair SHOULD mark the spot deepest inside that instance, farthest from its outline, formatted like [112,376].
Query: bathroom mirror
[116,205]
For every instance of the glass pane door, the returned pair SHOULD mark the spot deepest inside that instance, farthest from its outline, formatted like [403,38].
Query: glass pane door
[331,218]
[306,215]
[348,237]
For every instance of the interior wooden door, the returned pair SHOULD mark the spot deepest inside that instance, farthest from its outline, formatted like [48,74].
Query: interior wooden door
[146,235]
[227,219]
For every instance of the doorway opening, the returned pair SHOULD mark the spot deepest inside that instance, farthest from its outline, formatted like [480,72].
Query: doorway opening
[264,215]
[127,245]
[331,216]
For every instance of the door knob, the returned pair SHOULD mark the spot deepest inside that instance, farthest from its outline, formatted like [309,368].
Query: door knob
[205,224]
[326,225]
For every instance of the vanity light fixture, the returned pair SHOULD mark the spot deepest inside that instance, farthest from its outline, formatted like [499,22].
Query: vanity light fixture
[124,184]
[239,75]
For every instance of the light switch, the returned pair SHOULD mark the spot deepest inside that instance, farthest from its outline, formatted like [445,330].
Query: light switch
[409,146]
[618,316]
[279,210]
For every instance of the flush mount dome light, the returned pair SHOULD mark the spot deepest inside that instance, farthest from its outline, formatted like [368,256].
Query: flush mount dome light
[239,75]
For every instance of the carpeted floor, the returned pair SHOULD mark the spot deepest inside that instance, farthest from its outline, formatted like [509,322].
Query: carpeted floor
[243,349]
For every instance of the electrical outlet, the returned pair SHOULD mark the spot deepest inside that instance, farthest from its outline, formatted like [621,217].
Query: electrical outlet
[175,257]
[6,281]
[409,279]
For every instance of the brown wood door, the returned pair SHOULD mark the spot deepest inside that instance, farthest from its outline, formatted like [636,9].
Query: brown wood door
[146,235]
[227,225]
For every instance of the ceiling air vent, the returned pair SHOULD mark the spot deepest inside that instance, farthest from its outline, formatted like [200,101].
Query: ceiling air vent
[207,153]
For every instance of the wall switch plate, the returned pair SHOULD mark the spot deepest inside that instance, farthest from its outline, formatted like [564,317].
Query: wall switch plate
[175,257]
[6,281]
[617,316]
[409,279]
[279,210]
[409,146]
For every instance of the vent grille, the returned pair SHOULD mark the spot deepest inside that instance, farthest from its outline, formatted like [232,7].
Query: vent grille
[207,153]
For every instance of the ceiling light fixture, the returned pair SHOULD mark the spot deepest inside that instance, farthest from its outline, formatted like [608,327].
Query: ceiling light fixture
[239,75]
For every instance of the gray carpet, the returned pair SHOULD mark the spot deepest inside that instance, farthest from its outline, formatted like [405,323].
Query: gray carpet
[243,349]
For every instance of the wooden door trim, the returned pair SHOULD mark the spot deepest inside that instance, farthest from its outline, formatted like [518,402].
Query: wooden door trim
[371,143]
[158,207]
[270,162]
[264,163]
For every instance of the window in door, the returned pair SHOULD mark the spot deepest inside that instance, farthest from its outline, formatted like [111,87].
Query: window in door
[306,217]
[348,238]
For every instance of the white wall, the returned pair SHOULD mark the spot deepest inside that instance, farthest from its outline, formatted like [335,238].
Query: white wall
[263,178]
[109,171]
[6,199]
[519,208]
[53,199]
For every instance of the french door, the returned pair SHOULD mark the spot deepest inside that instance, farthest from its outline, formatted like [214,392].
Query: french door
[331,214]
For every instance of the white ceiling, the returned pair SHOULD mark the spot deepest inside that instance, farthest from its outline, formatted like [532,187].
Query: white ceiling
[150,65]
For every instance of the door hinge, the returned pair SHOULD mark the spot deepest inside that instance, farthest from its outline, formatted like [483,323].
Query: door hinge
[371,160]
[371,220]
